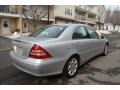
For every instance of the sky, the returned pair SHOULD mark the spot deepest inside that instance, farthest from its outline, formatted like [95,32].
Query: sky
[112,6]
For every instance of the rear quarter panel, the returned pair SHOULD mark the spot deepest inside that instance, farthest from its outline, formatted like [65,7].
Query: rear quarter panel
[60,50]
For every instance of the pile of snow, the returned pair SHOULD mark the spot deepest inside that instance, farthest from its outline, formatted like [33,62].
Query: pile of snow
[25,34]
[103,31]
[14,35]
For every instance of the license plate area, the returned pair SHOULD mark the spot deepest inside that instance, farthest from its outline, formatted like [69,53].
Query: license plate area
[18,50]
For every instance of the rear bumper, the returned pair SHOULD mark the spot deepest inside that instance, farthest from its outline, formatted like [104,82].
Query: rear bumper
[38,67]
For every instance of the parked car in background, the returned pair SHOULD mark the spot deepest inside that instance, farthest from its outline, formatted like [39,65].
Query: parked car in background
[56,49]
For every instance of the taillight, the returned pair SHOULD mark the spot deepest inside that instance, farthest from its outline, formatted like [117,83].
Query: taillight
[38,52]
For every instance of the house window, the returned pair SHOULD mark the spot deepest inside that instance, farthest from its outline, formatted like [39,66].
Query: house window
[4,8]
[5,25]
[68,12]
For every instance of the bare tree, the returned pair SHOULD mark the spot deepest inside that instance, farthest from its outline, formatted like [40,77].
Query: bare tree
[118,19]
[36,14]
[107,16]
[114,19]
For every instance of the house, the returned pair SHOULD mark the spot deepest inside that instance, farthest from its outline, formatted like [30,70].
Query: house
[21,17]
[74,14]
[100,16]
[13,18]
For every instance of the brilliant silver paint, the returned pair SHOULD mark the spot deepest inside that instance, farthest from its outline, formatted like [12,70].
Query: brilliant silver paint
[61,48]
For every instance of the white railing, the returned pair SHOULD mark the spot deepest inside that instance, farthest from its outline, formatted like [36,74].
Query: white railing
[80,17]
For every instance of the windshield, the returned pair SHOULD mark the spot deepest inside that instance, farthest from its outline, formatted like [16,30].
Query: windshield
[49,31]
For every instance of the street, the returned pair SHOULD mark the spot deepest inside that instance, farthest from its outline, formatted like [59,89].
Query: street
[101,70]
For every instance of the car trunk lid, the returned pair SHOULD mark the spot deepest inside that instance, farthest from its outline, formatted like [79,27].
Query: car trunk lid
[22,46]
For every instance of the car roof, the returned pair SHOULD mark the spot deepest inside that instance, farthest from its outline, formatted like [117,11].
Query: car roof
[68,24]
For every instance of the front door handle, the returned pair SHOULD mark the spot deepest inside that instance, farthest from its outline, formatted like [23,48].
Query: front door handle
[77,42]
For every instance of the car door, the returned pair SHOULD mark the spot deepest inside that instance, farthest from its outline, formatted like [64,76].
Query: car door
[82,43]
[96,42]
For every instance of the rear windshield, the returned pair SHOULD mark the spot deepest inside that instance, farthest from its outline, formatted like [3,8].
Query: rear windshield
[49,31]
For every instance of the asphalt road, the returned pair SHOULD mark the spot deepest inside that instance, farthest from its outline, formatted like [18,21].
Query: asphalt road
[99,70]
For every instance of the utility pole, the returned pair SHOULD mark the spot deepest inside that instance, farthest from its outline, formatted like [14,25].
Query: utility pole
[20,19]
[48,13]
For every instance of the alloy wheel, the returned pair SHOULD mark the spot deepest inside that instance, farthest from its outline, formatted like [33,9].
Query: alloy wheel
[71,67]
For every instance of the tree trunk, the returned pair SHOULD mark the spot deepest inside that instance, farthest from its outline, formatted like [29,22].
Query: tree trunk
[34,25]
[99,26]
[107,27]
[114,28]
[118,26]
[48,15]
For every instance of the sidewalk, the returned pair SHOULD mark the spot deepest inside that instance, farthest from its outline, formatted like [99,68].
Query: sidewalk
[15,35]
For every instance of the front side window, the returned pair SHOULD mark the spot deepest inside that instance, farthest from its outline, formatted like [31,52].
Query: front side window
[92,32]
[49,31]
[79,33]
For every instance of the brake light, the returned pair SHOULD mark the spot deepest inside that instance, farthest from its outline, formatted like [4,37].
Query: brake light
[38,52]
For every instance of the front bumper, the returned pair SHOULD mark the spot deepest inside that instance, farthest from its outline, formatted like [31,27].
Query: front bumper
[38,67]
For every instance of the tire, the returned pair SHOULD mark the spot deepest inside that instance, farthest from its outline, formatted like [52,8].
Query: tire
[105,52]
[71,67]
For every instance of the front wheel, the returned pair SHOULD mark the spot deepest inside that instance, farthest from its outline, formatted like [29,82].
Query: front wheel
[71,67]
[105,52]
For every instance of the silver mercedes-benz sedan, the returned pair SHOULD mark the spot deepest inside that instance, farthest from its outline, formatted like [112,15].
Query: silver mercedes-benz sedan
[56,49]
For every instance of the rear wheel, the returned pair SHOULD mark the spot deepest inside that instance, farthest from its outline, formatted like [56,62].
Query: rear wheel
[71,67]
[105,52]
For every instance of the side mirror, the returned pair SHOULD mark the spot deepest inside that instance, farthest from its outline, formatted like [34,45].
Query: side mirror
[74,36]
[102,37]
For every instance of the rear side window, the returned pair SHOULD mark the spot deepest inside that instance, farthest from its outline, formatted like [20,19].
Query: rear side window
[79,32]
[49,31]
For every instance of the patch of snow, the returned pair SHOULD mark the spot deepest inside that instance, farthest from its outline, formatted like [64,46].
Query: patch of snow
[103,31]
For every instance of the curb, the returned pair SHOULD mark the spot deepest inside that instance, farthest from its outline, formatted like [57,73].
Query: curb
[4,37]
